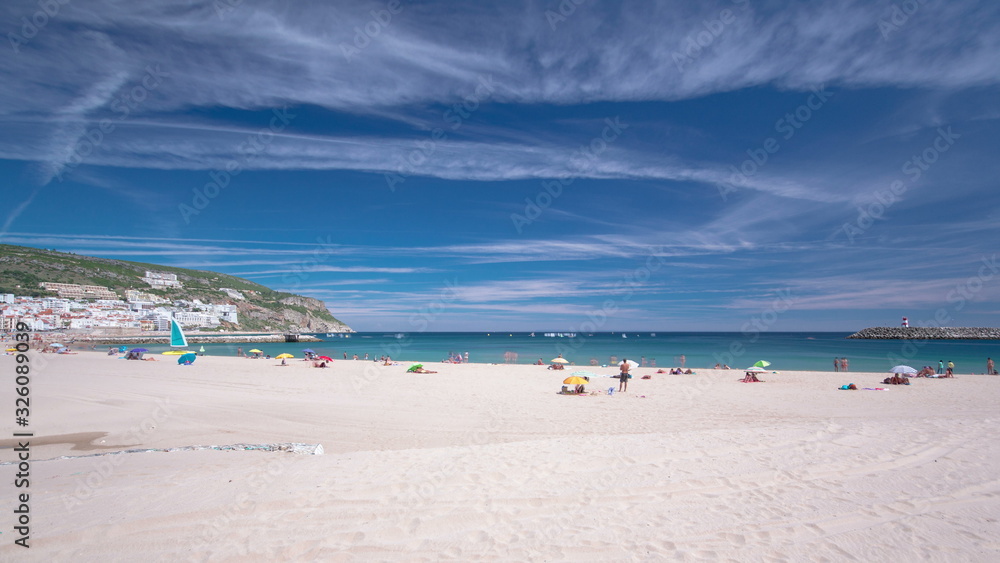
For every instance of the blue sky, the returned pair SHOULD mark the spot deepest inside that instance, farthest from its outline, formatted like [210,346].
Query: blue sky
[523,165]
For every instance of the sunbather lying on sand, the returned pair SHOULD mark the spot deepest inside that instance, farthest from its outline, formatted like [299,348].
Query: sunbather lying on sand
[896,379]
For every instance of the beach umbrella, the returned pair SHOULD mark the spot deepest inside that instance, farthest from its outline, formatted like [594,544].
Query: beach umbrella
[12,349]
[560,361]
[575,380]
[138,350]
[56,345]
[903,369]
[256,351]
[283,356]
[761,364]
[122,348]
[190,357]
[308,351]
[583,373]
[755,369]
[633,363]
[327,358]
[415,367]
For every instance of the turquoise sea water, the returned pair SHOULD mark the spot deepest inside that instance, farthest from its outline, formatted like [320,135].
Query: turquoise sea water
[785,350]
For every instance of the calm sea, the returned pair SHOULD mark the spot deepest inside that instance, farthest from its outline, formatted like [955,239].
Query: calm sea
[813,351]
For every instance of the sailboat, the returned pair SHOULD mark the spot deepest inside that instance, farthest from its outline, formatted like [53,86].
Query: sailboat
[177,339]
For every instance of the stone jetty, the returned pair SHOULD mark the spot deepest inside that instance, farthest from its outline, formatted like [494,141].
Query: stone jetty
[927,333]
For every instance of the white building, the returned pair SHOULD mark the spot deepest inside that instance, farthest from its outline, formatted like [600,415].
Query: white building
[161,279]
[56,304]
[141,305]
[232,293]
[227,313]
[132,295]
[34,324]
[190,318]
[159,321]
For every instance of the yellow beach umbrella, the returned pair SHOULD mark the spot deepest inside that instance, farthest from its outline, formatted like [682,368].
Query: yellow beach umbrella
[574,380]
[12,349]
[560,361]
[256,351]
[283,356]
[177,352]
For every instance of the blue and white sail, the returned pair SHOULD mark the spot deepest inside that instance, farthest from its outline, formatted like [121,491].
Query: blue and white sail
[177,338]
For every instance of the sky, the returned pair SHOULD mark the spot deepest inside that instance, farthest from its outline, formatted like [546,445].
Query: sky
[523,165]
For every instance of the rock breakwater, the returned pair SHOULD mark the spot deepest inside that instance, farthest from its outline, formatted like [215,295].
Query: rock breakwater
[927,333]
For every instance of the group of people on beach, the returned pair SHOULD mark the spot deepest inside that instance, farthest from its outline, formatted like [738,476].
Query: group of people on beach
[840,364]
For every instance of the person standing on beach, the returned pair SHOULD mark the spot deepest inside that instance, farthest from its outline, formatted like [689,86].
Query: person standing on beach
[836,364]
[989,367]
[239,352]
[940,367]
[683,360]
[843,364]
[623,376]
[951,367]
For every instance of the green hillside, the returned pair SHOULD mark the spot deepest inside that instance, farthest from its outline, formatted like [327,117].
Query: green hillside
[22,269]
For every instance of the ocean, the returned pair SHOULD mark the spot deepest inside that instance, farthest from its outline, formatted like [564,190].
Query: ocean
[813,351]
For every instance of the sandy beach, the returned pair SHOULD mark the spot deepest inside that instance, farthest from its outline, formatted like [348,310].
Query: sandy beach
[487,462]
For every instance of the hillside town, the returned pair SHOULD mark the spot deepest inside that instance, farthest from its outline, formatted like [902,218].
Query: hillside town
[74,306]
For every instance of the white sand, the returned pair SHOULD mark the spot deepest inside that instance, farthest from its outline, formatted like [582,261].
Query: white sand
[482,462]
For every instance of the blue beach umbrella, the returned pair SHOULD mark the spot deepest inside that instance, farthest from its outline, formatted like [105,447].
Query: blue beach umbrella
[186,359]
[140,350]
[309,351]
